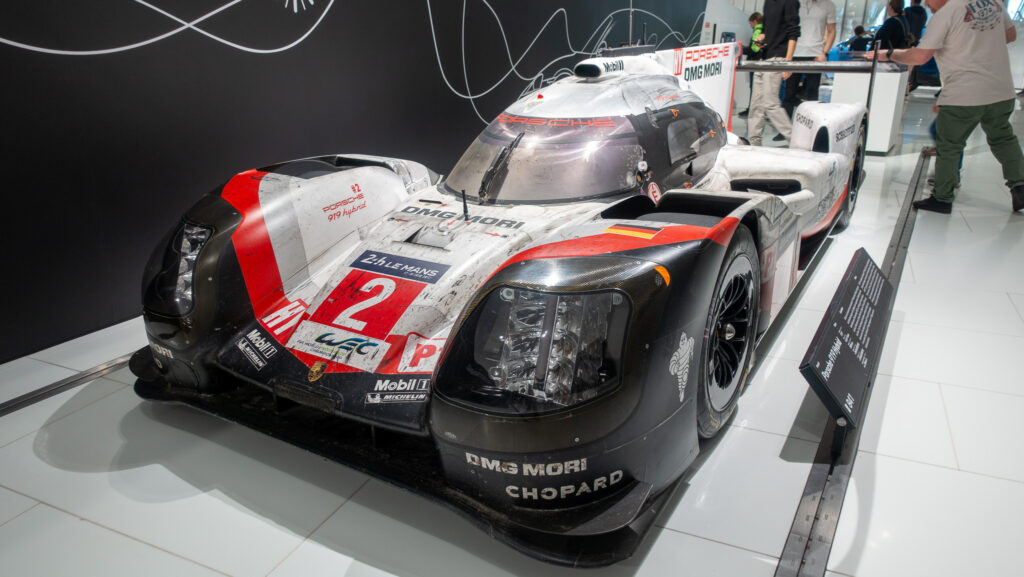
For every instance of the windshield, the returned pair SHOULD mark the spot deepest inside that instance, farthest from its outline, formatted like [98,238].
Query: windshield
[553,160]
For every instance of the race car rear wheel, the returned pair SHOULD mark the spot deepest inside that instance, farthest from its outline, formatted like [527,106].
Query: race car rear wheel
[856,169]
[730,334]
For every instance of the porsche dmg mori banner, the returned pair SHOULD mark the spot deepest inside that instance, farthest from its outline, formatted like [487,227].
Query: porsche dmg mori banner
[710,71]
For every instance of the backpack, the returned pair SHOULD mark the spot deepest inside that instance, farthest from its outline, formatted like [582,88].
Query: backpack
[908,37]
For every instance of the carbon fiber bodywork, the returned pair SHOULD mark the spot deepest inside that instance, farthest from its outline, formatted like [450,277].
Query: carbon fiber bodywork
[510,475]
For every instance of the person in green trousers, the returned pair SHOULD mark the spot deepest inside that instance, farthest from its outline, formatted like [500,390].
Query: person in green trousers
[968,39]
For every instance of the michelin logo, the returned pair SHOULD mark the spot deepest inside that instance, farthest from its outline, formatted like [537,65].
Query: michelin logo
[381,398]
[679,365]
[256,348]
[398,391]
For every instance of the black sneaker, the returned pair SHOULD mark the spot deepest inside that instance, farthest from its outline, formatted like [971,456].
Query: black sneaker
[778,138]
[1017,193]
[933,205]
[744,113]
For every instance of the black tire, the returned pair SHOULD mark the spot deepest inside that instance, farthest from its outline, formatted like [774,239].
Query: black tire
[856,169]
[730,334]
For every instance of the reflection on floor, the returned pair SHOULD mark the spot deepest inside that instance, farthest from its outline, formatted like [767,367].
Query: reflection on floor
[96,482]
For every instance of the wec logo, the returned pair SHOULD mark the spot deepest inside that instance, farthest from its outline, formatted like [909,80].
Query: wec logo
[358,345]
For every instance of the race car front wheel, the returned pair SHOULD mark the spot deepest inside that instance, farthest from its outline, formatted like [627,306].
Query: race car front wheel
[730,334]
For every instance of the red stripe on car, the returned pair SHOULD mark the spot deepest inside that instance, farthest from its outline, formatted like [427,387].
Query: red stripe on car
[252,242]
[829,217]
[605,243]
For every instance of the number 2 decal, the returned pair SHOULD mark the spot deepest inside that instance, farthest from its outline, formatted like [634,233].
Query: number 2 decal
[345,319]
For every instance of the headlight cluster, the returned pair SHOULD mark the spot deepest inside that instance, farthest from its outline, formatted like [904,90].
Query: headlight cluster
[527,352]
[189,242]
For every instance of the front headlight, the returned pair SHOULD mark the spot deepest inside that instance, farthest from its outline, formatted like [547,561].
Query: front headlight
[193,238]
[527,352]
[168,284]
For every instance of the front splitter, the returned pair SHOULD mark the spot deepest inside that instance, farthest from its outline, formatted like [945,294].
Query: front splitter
[413,463]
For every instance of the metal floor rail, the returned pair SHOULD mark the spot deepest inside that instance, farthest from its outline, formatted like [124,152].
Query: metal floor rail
[60,386]
[814,526]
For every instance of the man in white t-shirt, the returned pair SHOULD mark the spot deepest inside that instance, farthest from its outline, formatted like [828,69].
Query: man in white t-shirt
[968,39]
[817,33]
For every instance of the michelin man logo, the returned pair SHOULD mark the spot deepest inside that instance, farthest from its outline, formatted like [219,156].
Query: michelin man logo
[680,363]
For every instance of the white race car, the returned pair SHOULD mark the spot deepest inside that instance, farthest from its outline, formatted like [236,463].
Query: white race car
[537,340]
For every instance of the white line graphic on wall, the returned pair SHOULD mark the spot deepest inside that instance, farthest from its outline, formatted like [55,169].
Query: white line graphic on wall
[296,4]
[553,70]
[293,5]
[597,41]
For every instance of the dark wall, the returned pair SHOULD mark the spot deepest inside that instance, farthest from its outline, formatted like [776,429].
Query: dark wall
[117,116]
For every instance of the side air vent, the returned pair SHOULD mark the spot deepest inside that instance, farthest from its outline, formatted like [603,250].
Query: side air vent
[821,140]
[776,186]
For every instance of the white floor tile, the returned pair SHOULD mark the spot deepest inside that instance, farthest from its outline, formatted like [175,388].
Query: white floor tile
[25,375]
[679,554]
[986,431]
[902,518]
[214,492]
[907,419]
[98,347]
[969,234]
[996,271]
[968,309]
[384,530]
[310,558]
[122,376]
[13,504]
[1018,304]
[966,358]
[997,231]
[780,401]
[24,421]
[797,334]
[398,532]
[825,280]
[746,491]
[45,542]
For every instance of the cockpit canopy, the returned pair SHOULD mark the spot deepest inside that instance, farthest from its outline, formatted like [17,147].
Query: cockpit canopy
[539,160]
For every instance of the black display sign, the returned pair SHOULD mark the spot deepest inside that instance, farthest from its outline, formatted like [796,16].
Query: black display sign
[840,361]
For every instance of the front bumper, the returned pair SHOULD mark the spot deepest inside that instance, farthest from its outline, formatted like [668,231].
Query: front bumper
[596,534]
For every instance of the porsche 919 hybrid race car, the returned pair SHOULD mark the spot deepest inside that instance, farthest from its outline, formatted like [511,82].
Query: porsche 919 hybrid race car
[538,339]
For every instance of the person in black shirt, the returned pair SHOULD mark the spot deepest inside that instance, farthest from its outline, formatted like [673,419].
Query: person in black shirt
[895,29]
[916,17]
[862,40]
[781,29]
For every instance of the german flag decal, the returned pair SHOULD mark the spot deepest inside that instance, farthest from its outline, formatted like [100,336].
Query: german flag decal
[647,232]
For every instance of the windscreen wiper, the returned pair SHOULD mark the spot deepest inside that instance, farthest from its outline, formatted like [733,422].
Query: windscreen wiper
[499,164]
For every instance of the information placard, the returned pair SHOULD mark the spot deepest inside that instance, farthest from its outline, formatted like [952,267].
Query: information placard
[841,359]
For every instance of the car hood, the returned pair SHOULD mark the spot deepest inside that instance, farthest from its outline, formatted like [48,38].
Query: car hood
[375,319]
[398,292]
